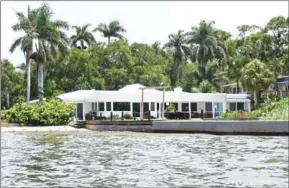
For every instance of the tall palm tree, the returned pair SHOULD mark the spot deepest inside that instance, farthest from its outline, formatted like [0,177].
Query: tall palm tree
[204,43]
[256,76]
[82,35]
[25,24]
[181,52]
[113,29]
[49,41]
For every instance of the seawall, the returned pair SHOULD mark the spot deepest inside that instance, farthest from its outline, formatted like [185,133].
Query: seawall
[247,127]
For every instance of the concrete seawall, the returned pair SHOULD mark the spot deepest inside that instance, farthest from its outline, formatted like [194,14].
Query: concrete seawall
[253,127]
[132,128]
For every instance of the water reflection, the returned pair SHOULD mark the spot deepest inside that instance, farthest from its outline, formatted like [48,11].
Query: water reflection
[142,160]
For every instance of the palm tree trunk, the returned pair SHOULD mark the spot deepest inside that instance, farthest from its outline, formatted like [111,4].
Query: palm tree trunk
[237,86]
[7,100]
[28,67]
[40,80]
[108,40]
[255,100]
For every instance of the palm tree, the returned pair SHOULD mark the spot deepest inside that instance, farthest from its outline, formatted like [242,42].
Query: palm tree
[256,76]
[49,41]
[204,43]
[181,52]
[25,24]
[82,36]
[113,29]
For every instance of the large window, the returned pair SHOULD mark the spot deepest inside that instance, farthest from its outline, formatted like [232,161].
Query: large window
[101,106]
[152,106]
[233,107]
[121,106]
[240,106]
[193,107]
[185,107]
[94,107]
[209,107]
[145,107]
[108,106]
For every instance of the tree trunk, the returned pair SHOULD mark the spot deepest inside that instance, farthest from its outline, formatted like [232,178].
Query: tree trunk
[255,100]
[108,40]
[237,86]
[7,100]
[28,67]
[40,80]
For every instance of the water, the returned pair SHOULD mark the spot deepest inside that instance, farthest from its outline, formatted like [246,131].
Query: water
[142,160]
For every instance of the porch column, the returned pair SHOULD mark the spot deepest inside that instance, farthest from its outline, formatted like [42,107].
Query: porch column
[180,107]
[111,106]
[104,109]
[131,109]
[213,110]
[190,110]
[249,106]
[224,106]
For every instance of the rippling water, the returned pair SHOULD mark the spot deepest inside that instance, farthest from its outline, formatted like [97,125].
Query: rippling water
[142,160]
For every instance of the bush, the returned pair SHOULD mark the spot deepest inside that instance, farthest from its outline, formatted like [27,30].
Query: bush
[230,115]
[170,108]
[51,112]
[127,116]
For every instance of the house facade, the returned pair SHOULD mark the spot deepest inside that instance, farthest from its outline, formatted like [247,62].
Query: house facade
[129,99]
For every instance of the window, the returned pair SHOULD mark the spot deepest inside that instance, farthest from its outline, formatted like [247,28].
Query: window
[101,106]
[176,106]
[94,107]
[233,107]
[121,106]
[209,107]
[145,107]
[193,107]
[108,106]
[152,106]
[240,106]
[185,107]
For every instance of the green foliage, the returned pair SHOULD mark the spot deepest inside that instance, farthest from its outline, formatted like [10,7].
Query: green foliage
[170,108]
[127,116]
[51,112]
[276,110]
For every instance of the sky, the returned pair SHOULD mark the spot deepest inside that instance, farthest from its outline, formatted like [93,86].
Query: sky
[145,21]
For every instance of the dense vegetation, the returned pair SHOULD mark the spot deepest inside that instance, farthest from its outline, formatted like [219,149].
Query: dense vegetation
[51,112]
[275,110]
[200,60]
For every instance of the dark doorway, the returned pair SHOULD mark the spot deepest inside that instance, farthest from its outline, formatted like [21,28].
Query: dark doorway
[79,112]
[136,109]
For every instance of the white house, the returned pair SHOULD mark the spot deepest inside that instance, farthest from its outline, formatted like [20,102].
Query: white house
[128,100]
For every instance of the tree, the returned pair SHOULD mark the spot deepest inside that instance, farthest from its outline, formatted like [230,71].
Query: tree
[12,82]
[277,27]
[26,25]
[256,76]
[113,29]
[204,43]
[83,36]
[49,41]
[181,53]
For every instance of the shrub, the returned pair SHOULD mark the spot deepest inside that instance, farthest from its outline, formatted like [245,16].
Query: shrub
[170,108]
[127,116]
[51,112]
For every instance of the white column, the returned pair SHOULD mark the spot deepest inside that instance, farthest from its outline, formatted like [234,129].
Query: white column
[111,106]
[104,114]
[150,106]
[213,109]
[224,106]
[190,110]
[180,107]
[131,109]
[249,106]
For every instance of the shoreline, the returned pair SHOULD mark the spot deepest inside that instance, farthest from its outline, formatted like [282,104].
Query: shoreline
[66,128]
